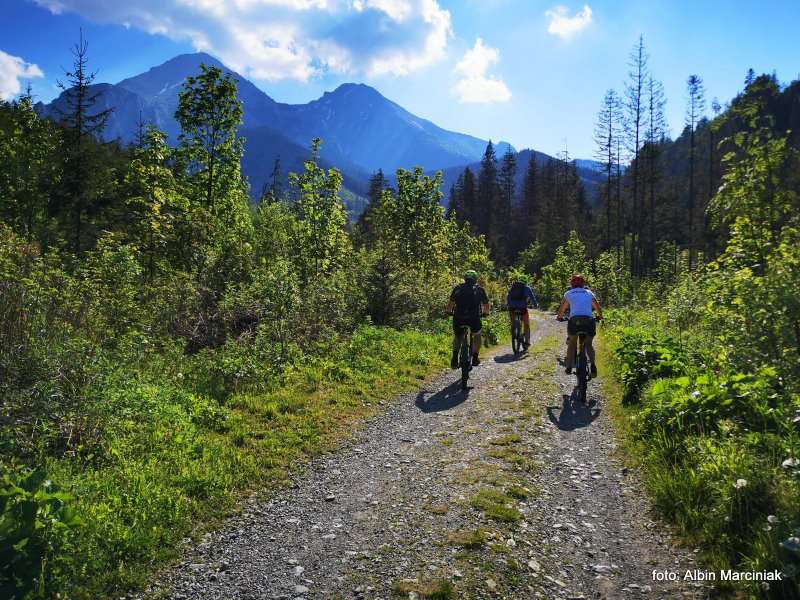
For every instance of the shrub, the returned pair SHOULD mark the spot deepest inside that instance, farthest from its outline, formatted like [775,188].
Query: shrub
[645,355]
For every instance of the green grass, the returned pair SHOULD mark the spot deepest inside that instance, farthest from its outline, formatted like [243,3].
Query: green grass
[471,539]
[173,458]
[496,505]
[437,589]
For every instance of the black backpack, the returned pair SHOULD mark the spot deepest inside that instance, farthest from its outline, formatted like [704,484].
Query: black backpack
[466,300]
[517,291]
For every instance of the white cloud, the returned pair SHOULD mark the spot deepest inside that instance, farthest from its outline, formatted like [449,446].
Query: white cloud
[564,26]
[289,39]
[476,86]
[12,70]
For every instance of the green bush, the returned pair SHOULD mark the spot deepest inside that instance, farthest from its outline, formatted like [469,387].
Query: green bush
[36,520]
[644,355]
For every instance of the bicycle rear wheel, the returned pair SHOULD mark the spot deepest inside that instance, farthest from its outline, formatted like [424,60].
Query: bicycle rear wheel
[465,358]
[583,369]
[516,337]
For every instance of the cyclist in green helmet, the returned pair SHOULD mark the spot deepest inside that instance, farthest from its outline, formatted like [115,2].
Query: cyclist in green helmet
[518,298]
[468,303]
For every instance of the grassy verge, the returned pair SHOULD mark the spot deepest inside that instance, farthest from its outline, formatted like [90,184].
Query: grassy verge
[174,461]
[712,447]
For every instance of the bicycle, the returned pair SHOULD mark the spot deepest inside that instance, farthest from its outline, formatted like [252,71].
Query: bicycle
[581,365]
[465,355]
[517,333]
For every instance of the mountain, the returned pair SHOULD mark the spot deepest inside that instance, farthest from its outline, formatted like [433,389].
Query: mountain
[588,171]
[361,130]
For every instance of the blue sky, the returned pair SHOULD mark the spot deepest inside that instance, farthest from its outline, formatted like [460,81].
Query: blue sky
[526,71]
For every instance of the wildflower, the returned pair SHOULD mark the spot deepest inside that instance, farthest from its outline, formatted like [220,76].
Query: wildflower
[740,483]
[790,462]
[772,519]
[696,394]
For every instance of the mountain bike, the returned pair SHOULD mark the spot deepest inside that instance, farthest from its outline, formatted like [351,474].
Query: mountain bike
[465,354]
[581,365]
[517,333]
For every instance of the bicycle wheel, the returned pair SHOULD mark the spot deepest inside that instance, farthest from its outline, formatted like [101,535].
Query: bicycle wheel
[516,343]
[582,370]
[465,358]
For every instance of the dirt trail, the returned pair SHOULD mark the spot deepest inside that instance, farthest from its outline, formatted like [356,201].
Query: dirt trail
[512,490]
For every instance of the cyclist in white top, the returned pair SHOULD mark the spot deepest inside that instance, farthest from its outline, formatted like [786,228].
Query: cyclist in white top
[582,305]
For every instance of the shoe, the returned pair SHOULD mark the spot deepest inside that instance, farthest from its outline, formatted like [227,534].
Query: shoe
[454,360]
[568,370]
[475,360]
[593,370]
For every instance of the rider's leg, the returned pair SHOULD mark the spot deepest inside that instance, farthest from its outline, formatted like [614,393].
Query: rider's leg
[456,346]
[476,342]
[590,352]
[526,324]
[572,345]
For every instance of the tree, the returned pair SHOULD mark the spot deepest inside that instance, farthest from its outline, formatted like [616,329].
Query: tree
[501,214]
[322,245]
[654,137]
[82,127]
[30,168]
[607,132]
[153,197]
[695,106]
[488,198]
[635,109]
[209,113]
[272,191]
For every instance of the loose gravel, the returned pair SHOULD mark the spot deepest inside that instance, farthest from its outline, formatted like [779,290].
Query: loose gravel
[512,490]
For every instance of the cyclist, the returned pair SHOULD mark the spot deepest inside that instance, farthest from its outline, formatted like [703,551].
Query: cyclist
[518,297]
[582,305]
[468,303]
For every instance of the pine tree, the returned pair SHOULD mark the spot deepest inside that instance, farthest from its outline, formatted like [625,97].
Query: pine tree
[272,191]
[488,198]
[469,198]
[695,106]
[654,136]
[501,215]
[529,211]
[607,132]
[635,94]
[82,127]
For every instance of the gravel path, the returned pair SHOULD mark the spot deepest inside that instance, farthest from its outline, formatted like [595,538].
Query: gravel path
[512,490]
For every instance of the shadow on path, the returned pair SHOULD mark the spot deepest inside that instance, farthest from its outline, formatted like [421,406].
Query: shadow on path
[510,357]
[574,414]
[445,399]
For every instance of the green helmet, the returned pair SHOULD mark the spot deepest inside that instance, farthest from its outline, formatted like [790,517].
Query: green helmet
[471,274]
[522,279]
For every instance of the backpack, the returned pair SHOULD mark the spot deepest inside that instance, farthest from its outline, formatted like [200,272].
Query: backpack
[466,301]
[517,292]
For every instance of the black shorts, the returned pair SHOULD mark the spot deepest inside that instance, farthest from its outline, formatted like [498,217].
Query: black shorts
[474,323]
[584,324]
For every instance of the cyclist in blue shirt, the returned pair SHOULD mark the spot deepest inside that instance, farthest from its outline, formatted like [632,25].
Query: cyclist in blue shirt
[518,297]
[582,305]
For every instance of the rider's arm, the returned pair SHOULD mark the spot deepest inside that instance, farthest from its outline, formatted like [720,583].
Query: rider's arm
[563,308]
[484,303]
[532,297]
[597,309]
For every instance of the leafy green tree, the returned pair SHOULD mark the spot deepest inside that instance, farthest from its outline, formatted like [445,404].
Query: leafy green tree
[30,168]
[154,197]
[209,113]
[322,246]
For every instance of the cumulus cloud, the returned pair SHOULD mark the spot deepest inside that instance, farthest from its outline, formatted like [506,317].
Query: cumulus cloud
[476,86]
[289,39]
[13,70]
[565,26]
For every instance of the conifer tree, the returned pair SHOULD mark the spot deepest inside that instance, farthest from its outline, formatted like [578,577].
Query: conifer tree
[695,106]
[83,125]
